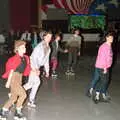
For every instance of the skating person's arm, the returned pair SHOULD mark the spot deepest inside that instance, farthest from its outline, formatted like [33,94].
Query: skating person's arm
[47,66]
[54,50]
[34,58]
[62,50]
[104,58]
[108,59]
[7,85]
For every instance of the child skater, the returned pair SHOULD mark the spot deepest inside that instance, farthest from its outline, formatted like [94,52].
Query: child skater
[54,54]
[16,66]
[101,74]
[74,46]
[38,58]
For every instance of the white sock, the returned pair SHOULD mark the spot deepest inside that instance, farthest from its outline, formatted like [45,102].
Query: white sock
[9,95]
[91,90]
[19,109]
[104,96]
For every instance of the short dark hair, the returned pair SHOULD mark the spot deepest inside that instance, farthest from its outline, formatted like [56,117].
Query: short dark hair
[109,34]
[47,32]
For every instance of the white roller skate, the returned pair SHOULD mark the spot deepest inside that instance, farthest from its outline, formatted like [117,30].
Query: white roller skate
[31,104]
[19,116]
[54,74]
[72,72]
[3,114]
[67,72]
[3,118]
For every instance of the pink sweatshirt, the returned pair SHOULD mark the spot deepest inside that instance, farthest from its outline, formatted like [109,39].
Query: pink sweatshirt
[104,57]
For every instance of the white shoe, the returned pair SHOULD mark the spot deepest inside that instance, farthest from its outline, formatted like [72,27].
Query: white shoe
[31,104]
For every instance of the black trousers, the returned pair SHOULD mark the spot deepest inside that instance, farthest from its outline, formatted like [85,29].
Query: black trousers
[72,59]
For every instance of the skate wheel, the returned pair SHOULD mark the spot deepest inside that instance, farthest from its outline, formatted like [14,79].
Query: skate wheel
[54,76]
[23,118]
[16,118]
[3,118]
[67,73]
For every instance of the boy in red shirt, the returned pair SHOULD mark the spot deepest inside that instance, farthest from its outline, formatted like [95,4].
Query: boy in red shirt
[16,66]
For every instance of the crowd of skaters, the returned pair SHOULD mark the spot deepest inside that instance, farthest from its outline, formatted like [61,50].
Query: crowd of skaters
[32,38]
[44,48]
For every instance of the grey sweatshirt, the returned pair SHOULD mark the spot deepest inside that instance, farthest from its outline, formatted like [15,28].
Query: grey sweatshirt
[38,57]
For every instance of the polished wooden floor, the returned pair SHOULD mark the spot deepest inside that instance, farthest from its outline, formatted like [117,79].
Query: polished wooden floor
[64,98]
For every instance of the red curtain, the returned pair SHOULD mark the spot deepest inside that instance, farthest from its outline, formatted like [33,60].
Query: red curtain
[23,13]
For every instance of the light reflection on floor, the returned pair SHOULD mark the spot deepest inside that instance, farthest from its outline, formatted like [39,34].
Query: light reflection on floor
[64,98]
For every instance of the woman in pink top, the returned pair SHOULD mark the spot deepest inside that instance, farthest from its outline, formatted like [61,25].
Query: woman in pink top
[102,65]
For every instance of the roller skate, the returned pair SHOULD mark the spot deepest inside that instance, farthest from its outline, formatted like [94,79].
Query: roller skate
[3,114]
[31,104]
[72,72]
[54,74]
[19,115]
[67,72]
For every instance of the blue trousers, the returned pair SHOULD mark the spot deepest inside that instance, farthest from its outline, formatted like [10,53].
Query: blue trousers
[100,80]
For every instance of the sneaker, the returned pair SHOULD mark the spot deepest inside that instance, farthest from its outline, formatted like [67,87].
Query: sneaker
[31,104]
[105,98]
[19,115]
[3,114]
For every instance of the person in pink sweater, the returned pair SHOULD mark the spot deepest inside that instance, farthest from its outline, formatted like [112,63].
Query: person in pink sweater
[101,74]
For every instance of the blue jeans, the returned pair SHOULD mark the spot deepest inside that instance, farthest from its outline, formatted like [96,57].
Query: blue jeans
[100,80]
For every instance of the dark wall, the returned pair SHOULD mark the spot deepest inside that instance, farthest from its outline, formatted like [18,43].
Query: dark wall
[113,14]
[4,14]
[56,25]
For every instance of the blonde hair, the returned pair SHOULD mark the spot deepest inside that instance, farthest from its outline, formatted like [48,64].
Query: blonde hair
[17,44]
[46,33]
